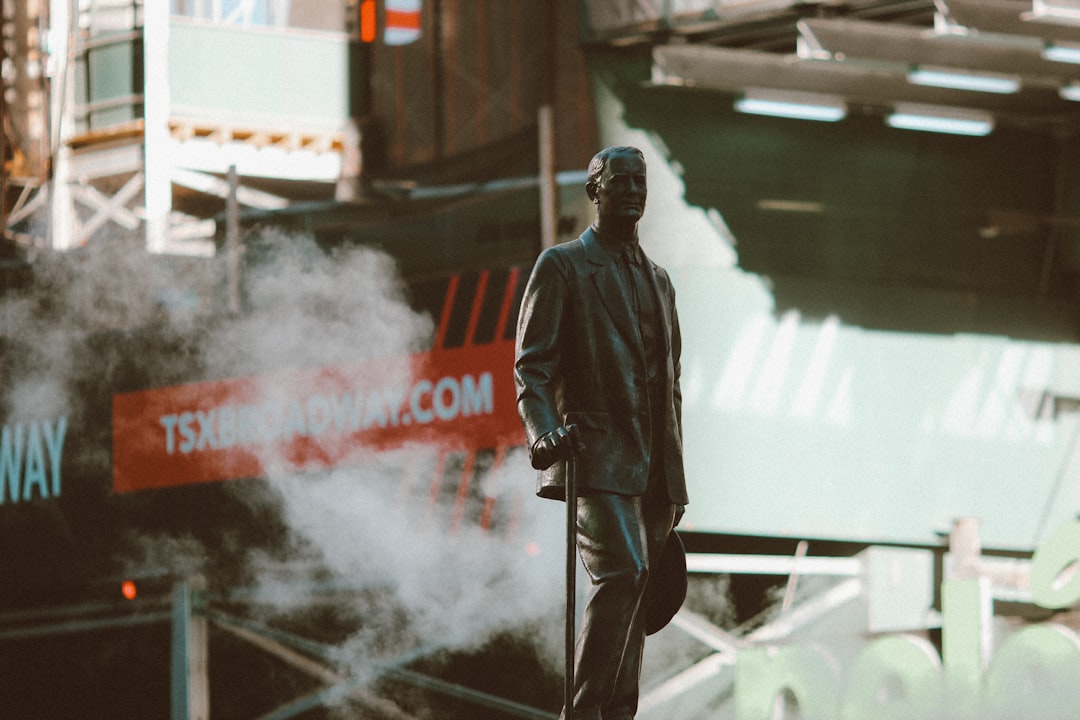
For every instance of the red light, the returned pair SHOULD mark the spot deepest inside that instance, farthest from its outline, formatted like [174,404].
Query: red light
[128,589]
[533,549]
[367,21]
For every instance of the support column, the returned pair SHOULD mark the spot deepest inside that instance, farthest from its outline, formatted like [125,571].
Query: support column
[548,198]
[233,250]
[190,678]
[156,141]
[61,232]
[967,621]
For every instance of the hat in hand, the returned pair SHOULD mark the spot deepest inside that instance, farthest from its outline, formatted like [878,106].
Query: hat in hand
[666,590]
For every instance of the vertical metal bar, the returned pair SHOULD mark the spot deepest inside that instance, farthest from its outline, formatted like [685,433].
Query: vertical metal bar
[232,240]
[156,138]
[438,81]
[189,686]
[571,584]
[548,205]
[546,121]
[793,578]
[181,616]
[63,19]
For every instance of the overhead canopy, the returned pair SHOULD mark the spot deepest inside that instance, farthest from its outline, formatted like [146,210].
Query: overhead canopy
[865,53]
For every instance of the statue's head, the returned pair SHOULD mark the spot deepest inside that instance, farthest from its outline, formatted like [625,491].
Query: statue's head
[615,183]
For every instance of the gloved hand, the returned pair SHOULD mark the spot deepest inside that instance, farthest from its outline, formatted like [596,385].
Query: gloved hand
[559,444]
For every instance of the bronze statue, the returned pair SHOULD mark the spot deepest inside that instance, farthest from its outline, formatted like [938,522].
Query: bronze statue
[598,347]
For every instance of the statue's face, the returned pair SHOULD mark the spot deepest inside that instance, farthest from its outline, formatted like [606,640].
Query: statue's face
[620,196]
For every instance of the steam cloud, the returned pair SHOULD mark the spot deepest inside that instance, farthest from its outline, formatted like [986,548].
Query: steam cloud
[439,583]
[374,523]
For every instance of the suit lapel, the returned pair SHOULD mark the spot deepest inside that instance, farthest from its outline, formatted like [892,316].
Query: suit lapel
[603,273]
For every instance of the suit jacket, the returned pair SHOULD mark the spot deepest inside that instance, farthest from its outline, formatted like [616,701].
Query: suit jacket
[580,359]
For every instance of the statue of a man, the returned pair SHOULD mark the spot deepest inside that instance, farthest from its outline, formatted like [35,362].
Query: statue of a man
[598,347]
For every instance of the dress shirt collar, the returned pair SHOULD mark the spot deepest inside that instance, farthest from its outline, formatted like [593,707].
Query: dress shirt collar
[616,250]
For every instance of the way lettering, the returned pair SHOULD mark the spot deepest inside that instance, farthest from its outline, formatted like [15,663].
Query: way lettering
[30,460]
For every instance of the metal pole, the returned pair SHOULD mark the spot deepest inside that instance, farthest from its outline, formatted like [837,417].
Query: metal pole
[232,241]
[181,614]
[438,76]
[546,127]
[190,685]
[571,576]
[156,137]
[63,20]
[548,204]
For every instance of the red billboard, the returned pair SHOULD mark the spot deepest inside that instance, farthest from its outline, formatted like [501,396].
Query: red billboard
[461,398]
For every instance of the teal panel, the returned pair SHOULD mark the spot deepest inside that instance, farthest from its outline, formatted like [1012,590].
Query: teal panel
[258,77]
[815,429]
[110,75]
[112,71]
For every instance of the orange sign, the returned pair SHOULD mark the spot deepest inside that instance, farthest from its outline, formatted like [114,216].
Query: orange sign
[460,398]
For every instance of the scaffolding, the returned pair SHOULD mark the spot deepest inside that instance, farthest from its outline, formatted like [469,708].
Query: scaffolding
[111,131]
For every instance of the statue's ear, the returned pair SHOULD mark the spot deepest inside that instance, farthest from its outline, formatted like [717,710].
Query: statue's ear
[590,190]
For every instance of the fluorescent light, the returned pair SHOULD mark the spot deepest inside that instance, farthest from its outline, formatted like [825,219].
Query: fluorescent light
[799,111]
[928,123]
[1070,92]
[798,105]
[803,206]
[930,118]
[1062,52]
[961,80]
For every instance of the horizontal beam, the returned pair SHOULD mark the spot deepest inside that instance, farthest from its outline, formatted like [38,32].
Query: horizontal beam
[904,45]
[87,625]
[217,187]
[875,85]
[772,565]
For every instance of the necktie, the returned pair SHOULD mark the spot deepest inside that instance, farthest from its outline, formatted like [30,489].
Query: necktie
[643,307]
[634,280]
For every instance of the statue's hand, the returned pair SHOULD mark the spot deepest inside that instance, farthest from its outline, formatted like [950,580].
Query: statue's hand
[559,444]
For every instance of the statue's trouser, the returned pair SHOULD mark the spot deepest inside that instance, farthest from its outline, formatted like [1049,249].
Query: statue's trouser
[617,536]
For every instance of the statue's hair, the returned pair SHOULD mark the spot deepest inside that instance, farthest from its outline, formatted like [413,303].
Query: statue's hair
[600,161]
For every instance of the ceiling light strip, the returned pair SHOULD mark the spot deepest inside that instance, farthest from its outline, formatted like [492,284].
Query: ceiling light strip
[1061,52]
[1070,92]
[941,120]
[796,105]
[957,80]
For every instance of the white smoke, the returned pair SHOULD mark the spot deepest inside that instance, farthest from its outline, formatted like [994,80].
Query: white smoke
[422,575]
[439,580]
[455,588]
[311,308]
